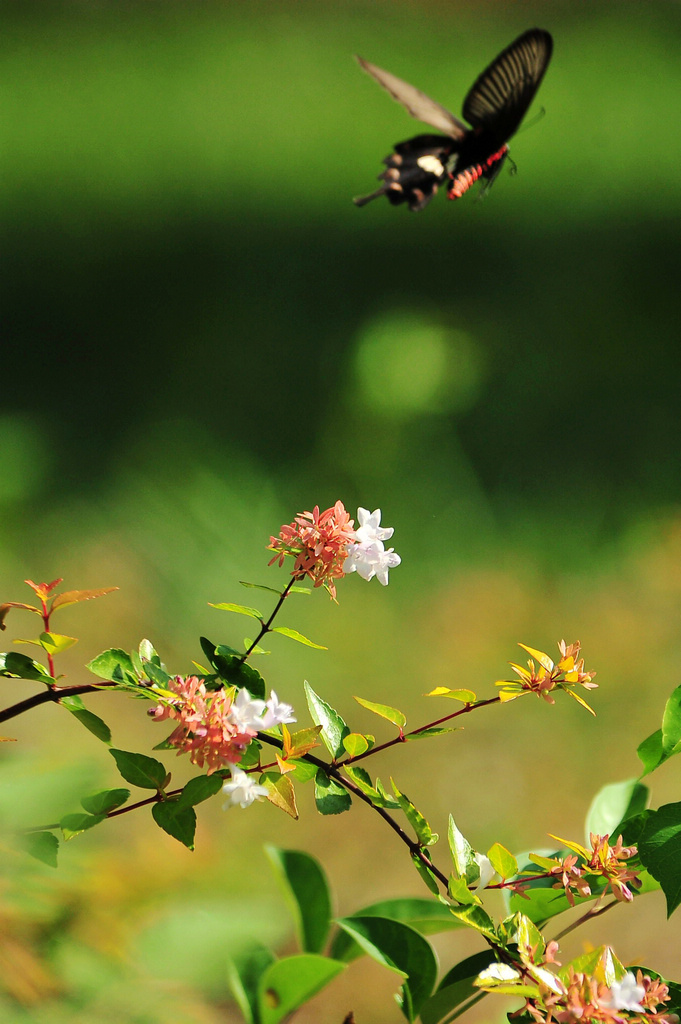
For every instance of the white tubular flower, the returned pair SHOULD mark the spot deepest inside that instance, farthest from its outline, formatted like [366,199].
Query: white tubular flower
[276,713]
[626,994]
[246,711]
[487,872]
[370,527]
[371,559]
[242,789]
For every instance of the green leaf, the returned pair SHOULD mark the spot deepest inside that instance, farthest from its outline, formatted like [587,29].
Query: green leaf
[423,831]
[429,917]
[200,788]
[334,729]
[261,586]
[401,949]
[43,846]
[14,664]
[240,609]
[612,806]
[362,780]
[304,771]
[293,634]
[306,882]
[456,988]
[650,752]
[73,824]
[280,792]
[355,744]
[244,971]
[330,796]
[178,820]
[660,851]
[158,675]
[542,901]
[476,917]
[503,861]
[104,801]
[433,730]
[55,643]
[671,724]
[465,696]
[69,597]
[290,982]
[233,670]
[462,852]
[114,665]
[140,770]
[384,711]
[426,874]
[92,722]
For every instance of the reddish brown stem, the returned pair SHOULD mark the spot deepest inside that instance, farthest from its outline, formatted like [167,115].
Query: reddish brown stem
[265,626]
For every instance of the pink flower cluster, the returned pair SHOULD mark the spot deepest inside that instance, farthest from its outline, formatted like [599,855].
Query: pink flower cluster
[583,1000]
[208,729]
[319,543]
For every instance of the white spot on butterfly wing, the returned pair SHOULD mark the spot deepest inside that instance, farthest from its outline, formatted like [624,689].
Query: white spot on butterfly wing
[431,165]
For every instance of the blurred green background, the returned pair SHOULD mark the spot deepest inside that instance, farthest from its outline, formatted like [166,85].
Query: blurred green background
[203,336]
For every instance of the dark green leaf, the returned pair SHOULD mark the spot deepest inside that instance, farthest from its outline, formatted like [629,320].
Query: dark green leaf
[92,722]
[330,796]
[114,665]
[244,971]
[427,916]
[73,824]
[293,634]
[401,949]
[178,820]
[105,800]
[44,846]
[290,982]
[14,664]
[199,789]
[233,670]
[475,917]
[660,851]
[306,882]
[157,674]
[613,805]
[456,987]
[334,729]
[140,770]
[426,874]
[304,771]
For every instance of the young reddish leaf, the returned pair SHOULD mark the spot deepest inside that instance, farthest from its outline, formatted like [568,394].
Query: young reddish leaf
[465,696]
[301,742]
[384,711]
[55,643]
[42,590]
[4,608]
[580,700]
[280,792]
[74,596]
[240,609]
[293,634]
[284,766]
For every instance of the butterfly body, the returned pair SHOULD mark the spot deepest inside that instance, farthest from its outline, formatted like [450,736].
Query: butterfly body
[494,106]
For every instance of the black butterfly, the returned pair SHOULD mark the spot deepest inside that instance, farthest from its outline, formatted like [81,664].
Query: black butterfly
[494,107]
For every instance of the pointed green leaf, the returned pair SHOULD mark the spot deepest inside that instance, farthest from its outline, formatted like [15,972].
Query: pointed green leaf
[104,801]
[613,805]
[200,788]
[465,696]
[330,796]
[462,852]
[43,846]
[651,753]
[290,982]
[503,861]
[427,916]
[456,988]
[260,586]
[424,833]
[293,634]
[476,917]
[660,850]
[384,711]
[73,824]
[306,883]
[671,724]
[433,730]
[240,609]
[114,665]
[362,780]
[140,770]
[178,820]
[14,664]
[233,670]
[55,643]
[92,722]
[304,771]
[244,971]
[334,729]
[401,949]
[426,874]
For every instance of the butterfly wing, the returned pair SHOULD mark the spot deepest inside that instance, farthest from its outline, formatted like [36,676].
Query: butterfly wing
[416,102]
[501,95]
